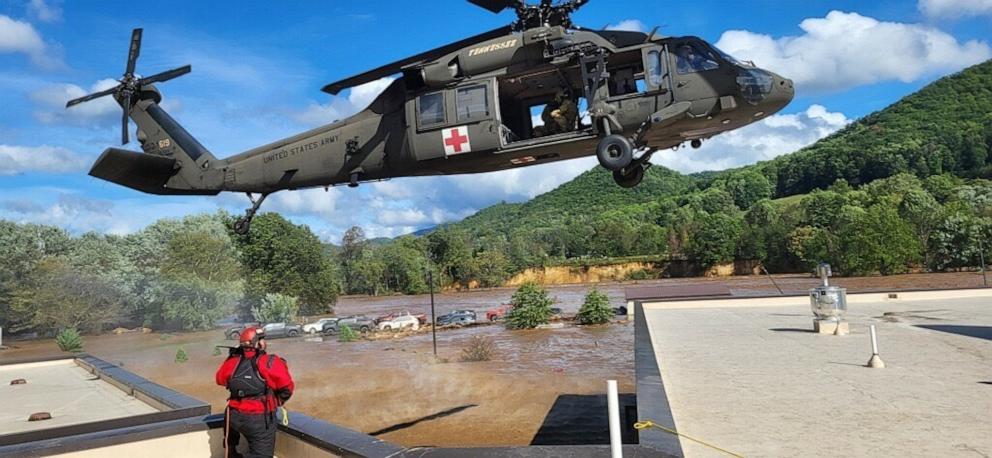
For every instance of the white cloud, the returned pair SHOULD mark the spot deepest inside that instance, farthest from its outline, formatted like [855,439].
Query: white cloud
[44,11]
[629,25]
[21,37]
[359,98]
[843,50]
[766,139]
[954,9]
[49,159]
[94,112]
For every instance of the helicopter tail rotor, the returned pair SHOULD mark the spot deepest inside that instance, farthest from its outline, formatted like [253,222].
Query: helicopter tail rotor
[130,85]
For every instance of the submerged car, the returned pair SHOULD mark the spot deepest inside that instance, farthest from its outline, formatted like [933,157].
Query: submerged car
[498,313]
[360,323]
[234,332]
[317,326]
[458,317]
[277,330]
[400,322]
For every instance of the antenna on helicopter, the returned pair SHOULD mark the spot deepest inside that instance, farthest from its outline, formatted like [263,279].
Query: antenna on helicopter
[532,16]
[130,85]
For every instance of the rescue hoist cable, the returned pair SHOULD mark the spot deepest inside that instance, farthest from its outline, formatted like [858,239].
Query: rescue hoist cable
[644,424]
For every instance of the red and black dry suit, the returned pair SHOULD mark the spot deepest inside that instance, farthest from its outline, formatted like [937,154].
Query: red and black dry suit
[254,416]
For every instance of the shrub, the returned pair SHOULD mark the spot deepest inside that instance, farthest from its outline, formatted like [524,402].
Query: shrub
[216,351]
[596,308]
[347,334]
[478,349]
[531,307]
[69,340]
[639,274]
[181,356]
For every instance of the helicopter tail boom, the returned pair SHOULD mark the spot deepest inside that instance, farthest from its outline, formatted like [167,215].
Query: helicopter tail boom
[173,162]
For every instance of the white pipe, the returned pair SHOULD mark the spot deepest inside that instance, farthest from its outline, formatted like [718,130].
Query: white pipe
[874,340]
[613,401]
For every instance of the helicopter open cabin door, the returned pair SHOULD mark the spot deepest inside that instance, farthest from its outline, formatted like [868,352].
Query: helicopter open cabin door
[456,121]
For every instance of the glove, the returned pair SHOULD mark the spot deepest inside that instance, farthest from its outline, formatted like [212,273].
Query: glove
[283,396]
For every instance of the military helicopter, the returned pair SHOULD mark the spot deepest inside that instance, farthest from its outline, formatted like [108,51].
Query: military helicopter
[468,107]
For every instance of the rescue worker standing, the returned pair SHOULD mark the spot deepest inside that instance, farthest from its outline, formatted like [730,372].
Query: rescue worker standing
[258,383]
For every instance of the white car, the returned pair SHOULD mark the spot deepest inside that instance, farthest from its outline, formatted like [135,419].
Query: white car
[317,326]
[400,322]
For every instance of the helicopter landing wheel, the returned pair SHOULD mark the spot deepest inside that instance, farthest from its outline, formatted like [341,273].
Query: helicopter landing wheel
[629,178]
[242,226]
[615,152]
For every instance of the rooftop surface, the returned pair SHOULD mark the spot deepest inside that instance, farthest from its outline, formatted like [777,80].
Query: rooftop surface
[750,376]
[71,394]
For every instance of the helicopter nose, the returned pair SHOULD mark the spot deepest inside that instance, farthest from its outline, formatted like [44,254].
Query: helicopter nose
[783,91]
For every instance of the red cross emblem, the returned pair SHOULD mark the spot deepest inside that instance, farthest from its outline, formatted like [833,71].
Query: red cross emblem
[456,140]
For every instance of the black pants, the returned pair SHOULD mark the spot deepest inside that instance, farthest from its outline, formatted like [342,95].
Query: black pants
[258,429]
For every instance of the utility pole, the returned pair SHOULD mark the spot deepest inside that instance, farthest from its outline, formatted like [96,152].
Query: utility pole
[430,285]
[981,255]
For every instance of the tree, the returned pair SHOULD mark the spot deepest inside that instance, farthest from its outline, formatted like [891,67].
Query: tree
[715,239]
[491,268]
[747,187]
[531,307]
[875,240]
[281,257]
[56,296]
[596,308]
[276,308]
[199,279]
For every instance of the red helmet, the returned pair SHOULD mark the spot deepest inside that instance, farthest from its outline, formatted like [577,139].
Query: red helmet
[250,336]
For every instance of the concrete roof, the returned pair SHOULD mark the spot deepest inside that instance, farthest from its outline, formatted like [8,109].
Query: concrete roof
[61,387]
[748,375]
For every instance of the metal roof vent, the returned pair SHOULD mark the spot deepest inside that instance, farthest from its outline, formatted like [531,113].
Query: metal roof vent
[828,302]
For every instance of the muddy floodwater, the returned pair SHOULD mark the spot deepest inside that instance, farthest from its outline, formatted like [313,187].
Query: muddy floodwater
[396,390]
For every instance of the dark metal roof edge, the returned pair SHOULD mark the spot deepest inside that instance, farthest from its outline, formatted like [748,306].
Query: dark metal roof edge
[533,451]
[652,400]
[105,438]
[337,439]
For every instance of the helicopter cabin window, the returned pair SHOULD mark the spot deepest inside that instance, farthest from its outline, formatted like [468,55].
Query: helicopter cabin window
[431,109]
[690,58]
[472,103]
[654,68]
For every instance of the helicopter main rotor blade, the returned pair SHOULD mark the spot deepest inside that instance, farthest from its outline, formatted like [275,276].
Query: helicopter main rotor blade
[496,6]
[127,108]
[87,98]
[167,75]
[391,69]
[133,52]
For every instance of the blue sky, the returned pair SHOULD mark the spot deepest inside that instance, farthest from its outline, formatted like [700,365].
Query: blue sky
[258,68]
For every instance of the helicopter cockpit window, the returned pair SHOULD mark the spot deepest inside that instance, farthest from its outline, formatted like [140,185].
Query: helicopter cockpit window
[431,109]
[472,103]
[690,58]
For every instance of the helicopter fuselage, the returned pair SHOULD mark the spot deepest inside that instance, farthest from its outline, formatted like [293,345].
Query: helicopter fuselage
[474,110]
